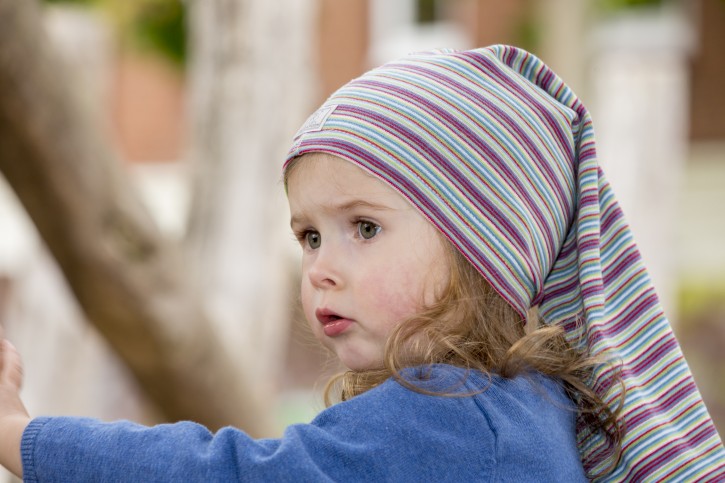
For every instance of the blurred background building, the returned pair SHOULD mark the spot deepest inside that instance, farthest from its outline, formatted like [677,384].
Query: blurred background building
[651,72]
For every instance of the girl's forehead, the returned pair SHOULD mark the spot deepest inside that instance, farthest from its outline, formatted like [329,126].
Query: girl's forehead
[324,166]
[333,180]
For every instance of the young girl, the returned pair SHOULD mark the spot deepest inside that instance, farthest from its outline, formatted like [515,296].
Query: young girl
[437,199]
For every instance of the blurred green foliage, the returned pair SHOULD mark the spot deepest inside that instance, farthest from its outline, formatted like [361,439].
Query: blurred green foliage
[161,25]
[700,329]
[698,297]
[426,11]
[620,4]
[527,33]
[152,25]
[77,2]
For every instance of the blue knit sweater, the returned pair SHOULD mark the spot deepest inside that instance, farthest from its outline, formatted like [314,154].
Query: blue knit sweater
[518,429]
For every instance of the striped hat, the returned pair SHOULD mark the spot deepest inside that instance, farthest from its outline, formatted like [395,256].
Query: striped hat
[499,154]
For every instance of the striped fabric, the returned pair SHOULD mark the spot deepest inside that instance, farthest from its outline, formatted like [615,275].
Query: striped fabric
[499,154]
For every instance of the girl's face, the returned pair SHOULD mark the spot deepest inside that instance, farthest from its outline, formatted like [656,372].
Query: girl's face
[369,259]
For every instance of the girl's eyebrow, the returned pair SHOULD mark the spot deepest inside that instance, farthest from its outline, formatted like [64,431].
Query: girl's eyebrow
[346,206]
[352,204]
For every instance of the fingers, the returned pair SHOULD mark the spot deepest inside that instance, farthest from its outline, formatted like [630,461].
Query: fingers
[11,367]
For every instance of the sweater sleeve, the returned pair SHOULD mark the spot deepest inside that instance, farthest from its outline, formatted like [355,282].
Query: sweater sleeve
[389,433]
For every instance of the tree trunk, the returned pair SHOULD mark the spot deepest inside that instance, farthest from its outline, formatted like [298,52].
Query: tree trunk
[250,90]
[129,281]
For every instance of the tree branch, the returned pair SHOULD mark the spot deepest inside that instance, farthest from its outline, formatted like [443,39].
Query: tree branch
[129,280]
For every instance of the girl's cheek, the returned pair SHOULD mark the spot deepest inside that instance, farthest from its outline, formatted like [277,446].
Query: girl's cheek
[306,300]
[395,295]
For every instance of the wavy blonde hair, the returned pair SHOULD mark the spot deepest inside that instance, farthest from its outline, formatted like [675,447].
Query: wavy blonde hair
[473,327]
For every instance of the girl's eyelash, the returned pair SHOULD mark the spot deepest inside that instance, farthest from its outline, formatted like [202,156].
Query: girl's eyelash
[356,221]
[301,235]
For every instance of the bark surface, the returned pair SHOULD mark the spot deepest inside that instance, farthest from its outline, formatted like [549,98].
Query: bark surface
[130,281]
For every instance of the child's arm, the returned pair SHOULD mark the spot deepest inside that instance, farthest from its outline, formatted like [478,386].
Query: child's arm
[13,416]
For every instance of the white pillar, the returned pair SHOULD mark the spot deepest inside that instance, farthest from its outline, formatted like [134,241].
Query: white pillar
[564,26]
[639,78]
[394,32]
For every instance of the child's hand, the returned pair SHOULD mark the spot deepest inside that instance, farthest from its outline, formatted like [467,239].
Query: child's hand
[13,416]
[11,379]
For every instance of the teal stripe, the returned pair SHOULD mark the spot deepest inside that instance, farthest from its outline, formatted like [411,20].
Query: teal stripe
[552,150]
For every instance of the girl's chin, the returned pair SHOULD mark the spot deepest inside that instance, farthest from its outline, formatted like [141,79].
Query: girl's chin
[354,353]
[359,364]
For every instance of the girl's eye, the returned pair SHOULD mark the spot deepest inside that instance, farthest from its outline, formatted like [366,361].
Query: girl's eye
[313,239]
[367,229]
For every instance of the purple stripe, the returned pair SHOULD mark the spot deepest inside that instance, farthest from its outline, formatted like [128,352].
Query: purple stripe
[622,263]
[512,128]
[494,162]
[499,281]
[418,144]
[486,153]
[489,68]
[635,308]
[693,438]
[676,395]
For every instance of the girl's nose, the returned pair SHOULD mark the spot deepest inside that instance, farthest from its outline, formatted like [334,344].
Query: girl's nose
[324,270]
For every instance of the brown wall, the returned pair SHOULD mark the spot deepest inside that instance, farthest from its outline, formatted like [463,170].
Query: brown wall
[708,73]
[343,32]
[493,21]
[342,42]
[147,108]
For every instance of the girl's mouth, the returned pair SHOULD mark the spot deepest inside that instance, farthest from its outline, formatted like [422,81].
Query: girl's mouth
[333,324]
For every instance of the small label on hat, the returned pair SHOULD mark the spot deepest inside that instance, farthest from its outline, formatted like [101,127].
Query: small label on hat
[317,120]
